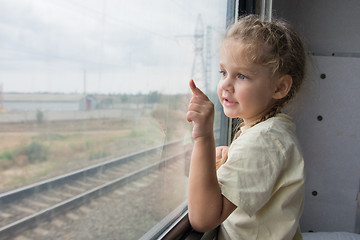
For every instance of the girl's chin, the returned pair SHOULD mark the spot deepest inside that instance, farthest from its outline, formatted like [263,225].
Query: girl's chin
[231,114]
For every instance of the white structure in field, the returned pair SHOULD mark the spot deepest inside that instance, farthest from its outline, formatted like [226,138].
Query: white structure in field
[47,102]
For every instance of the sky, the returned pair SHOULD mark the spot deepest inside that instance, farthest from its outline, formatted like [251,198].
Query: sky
[104,46]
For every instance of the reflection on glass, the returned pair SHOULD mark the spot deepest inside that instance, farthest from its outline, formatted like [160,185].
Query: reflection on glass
[83,84]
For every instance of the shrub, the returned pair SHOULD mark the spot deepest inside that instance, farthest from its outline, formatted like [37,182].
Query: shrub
[7,155]
[35,152]
[39,116]
[6,160]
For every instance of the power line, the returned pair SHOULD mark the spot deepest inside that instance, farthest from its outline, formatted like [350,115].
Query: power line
[198,68]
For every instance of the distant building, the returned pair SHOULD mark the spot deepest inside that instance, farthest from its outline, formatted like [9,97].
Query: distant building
[47,102]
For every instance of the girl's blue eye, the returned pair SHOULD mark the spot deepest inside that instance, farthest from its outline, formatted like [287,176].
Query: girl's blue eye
[242,76]
[223,73]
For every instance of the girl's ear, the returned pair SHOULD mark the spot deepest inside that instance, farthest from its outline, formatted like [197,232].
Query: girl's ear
[283,86]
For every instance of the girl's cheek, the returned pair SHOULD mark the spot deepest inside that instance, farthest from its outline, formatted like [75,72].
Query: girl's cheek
[243,93]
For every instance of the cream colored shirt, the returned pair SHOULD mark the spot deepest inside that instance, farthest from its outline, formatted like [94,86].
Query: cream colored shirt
[264,178]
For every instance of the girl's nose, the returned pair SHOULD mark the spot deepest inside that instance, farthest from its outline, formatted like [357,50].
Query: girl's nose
[227,84]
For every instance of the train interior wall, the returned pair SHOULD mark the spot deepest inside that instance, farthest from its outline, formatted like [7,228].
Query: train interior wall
[328,112]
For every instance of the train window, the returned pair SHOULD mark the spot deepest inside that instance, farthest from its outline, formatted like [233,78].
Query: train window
[94,142]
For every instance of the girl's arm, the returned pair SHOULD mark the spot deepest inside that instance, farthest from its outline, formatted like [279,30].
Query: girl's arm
[207,207]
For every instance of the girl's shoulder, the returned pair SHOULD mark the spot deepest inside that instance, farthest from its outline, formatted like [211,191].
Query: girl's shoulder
[273,139]
[281,124]
[278,131]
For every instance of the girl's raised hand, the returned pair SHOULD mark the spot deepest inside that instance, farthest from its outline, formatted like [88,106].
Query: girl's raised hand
[200,113]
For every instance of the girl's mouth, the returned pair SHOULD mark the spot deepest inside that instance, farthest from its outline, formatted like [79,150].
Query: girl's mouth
[228,103]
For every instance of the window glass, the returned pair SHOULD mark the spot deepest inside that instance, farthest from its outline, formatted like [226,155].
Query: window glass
[93,98]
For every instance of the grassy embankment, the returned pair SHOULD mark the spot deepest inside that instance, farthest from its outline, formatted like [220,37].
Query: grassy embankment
[34,151]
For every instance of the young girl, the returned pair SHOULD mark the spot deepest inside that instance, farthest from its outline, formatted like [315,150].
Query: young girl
[258,190]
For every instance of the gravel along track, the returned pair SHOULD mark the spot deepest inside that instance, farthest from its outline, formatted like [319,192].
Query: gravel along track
[147,191]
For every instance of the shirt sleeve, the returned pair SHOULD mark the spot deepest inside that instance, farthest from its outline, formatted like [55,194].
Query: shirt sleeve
[247,179]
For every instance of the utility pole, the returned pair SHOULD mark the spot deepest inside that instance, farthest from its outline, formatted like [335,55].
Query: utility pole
[201,68]
[198,68]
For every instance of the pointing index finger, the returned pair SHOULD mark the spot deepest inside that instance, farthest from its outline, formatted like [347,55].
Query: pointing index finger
[192,86]
[196,91]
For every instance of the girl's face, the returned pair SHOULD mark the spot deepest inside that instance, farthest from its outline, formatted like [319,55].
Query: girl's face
[245,89]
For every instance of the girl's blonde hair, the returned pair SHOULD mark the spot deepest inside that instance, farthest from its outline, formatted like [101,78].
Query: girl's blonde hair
[275,45]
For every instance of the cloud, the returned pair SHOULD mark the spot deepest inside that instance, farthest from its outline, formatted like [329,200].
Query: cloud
[53,45]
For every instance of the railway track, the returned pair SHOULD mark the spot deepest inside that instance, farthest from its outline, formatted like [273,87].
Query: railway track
[26,207]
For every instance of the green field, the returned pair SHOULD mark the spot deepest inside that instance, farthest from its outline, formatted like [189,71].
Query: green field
[34,151]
